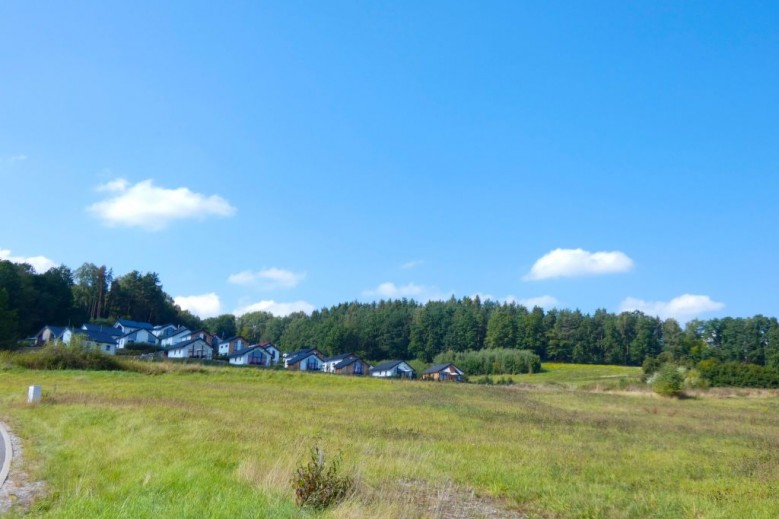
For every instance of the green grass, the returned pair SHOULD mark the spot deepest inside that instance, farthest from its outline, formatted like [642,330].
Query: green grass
[224,443]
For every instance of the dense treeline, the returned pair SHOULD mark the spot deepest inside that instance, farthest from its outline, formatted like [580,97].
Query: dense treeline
[399,329]
[406,329]
[492,361]
[59,296]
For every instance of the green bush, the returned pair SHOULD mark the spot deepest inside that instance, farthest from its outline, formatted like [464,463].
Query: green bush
[318,485]
[737,374]
[668,380]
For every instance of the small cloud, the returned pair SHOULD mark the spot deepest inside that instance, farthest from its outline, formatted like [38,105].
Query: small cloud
[268,279]
[40,263]
[153,208]
[277,309]
[203,306]
[578,262]
[530,302]
[115,185]
[540,301]
[682,308]
[411,264]
[423,293]
[17,158]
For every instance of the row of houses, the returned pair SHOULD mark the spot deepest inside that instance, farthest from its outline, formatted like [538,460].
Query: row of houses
[181,343]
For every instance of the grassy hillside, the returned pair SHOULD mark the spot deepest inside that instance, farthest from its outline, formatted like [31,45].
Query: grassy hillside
[225,442]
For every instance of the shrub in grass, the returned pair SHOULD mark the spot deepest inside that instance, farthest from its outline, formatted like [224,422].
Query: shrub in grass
[56,356]
[668,380]
[318,485]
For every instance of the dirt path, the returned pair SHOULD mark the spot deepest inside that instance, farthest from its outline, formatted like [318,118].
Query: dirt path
[18,491]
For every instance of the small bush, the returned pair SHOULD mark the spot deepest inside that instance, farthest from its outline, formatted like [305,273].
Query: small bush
[318,485]
[668,381]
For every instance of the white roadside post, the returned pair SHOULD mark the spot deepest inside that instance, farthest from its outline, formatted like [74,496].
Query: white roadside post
[34,395]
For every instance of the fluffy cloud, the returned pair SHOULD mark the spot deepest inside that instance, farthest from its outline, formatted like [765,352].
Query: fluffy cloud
[152,208]
[203,306]
[39,263]
[422,293]
[682,308]
[268,279]
[411,264]
[530,302]
[277,309]
[540,301]
[578,262]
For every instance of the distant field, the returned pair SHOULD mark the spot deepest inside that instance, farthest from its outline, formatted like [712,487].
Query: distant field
[577,375]
[224,443]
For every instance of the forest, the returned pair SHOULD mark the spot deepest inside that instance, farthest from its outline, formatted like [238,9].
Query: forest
[394,329]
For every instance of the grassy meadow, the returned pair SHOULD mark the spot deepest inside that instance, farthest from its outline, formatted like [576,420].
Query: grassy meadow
[219,442]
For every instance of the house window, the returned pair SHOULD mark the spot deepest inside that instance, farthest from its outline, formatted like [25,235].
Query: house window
[257,358]
[107,348]
[311,364]
[358,368]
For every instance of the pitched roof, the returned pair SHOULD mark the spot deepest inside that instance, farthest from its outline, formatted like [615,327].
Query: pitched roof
[386,366]
[297,356]
[184,344]
[96,336]
[348,362]
[439,367]
[244,351]
[135,324]
[101,328]
[342,356]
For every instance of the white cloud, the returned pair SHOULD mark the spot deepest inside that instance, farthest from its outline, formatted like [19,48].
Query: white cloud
[277,309]
[204,306]
[578,262]
[40,263]
[530,302]
[118,184]
[682,308]
[268,279]
[420,293]
[17,158]
[540,301]
[411,264]
[150,207]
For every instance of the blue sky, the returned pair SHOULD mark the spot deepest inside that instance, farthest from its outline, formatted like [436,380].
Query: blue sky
[293,155]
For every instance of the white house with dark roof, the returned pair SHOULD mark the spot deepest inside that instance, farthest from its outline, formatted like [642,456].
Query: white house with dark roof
[191,349]
[393,369]
[309,359]
[128,326]
[139,336]
[253,356]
